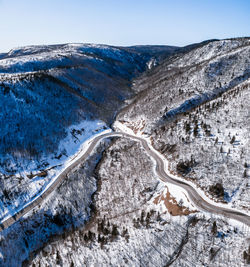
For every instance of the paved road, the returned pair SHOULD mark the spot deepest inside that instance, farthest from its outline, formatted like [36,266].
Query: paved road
[192,193]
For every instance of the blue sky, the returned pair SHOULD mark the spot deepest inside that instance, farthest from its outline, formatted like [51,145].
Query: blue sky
[127,22]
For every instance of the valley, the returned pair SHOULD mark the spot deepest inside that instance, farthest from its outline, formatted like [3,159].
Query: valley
[125,156]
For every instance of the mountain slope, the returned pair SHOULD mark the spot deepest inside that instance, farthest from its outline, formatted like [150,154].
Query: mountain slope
[53,98]
[195,107]
[113,209]
[47,89]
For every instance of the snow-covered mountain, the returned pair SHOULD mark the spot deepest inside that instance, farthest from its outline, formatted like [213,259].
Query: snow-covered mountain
[53,98]
[192,104]
[46,89]
[195,107]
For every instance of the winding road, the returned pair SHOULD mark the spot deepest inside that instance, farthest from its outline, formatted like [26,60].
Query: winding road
[194,196]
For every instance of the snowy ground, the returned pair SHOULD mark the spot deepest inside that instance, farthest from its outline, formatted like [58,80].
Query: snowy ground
[195,108]
[114,211]
[71,148]
[145,234]
[179,193]
[51,99]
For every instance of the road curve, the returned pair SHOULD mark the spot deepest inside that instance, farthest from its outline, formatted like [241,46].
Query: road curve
[194,196]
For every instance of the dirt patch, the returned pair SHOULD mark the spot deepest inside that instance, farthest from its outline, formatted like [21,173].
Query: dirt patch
[171,204]
[42,173]
[137,127]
